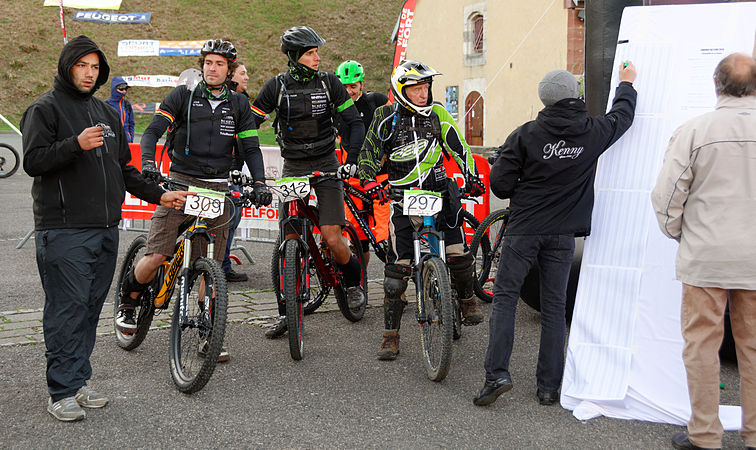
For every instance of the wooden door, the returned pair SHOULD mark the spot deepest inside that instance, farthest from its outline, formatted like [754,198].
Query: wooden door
[474,118]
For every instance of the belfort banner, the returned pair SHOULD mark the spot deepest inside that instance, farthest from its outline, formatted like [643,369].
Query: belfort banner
[86,4]
[148,47]
[100,17]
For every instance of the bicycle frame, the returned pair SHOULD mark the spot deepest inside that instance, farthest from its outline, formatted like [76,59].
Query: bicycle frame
[190,227]
[358,215]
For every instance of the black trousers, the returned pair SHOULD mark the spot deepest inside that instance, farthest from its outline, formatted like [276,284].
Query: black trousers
[553,254]
[76,267]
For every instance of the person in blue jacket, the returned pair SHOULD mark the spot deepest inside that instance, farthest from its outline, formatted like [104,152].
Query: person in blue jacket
[117,100]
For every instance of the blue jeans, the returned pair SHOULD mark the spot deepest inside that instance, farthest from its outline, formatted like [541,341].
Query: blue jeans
[553,254]
[232,226]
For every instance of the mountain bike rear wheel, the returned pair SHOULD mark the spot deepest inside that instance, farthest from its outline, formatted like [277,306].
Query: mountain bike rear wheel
[353,241]
[294,284]
[486,248]
[9,160]
[146,309]
[198,325]
[438,329]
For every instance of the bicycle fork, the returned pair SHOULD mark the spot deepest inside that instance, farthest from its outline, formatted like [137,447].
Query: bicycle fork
[199,228]
[437,246]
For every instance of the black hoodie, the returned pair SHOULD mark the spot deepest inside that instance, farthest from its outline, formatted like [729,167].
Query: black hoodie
[74,188]
[546,166]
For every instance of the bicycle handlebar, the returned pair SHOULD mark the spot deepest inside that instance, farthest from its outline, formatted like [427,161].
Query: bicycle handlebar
[248,197]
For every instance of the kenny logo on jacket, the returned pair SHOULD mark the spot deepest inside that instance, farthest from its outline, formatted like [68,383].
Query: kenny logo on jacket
[559,150]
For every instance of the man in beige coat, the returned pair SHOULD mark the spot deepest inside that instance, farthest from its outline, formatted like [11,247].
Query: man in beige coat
[705,198]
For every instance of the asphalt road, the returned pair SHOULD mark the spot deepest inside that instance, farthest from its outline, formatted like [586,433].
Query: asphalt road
[339,396]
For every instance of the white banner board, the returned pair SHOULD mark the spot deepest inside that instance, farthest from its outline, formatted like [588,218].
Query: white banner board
[624,357]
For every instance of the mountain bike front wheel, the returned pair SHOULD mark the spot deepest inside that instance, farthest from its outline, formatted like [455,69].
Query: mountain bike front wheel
[145,309]
[198,325]
[438,328]
[9,160]
[292,268]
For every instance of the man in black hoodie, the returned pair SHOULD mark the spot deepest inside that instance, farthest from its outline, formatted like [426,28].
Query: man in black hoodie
[81,171]
[546,169]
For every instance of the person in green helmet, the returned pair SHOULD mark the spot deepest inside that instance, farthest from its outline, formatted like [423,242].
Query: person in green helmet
[352,76]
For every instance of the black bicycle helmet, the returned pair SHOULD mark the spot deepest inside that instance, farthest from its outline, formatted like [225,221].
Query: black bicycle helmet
[296,39]
[219,47]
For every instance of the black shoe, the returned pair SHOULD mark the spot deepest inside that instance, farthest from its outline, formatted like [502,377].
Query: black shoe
[278,330]
[126,320]
[234,277]
[492,389]
[681,441]
[547,398]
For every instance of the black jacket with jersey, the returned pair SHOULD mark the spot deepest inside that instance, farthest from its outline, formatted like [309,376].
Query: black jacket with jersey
[74,188]
[305,113]
[213,132]
[546,166]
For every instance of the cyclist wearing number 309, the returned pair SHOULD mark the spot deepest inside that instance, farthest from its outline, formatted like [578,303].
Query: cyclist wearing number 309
[413,135]
[206,120]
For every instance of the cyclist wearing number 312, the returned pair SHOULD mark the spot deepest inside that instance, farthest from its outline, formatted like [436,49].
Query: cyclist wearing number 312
[206,121]
[306,102]
[414,134]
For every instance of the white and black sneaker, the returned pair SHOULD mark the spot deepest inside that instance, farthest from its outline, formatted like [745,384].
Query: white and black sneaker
[126,320]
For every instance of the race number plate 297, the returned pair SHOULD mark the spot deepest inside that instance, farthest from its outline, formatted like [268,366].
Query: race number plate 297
[292,188]
[421,203]
[207,203]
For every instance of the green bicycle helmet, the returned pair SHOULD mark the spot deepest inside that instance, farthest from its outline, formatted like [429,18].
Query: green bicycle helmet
[350,72]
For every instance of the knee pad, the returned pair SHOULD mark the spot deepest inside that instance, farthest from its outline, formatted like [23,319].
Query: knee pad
[461,270]
[395,281]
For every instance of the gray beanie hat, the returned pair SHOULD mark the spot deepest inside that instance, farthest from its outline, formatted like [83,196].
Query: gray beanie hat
[557,85]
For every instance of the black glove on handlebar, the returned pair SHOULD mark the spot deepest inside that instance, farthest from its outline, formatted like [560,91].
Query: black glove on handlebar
[474,186]
[150,171]
[263,197]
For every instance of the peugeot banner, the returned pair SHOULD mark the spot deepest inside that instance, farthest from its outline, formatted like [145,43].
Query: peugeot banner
[95,16]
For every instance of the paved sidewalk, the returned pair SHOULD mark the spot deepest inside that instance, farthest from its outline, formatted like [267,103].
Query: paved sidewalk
[24,326]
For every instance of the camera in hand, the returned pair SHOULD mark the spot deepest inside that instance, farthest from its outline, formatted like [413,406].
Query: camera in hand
[106,131]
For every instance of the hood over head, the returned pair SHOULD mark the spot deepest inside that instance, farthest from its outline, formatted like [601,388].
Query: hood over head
[72,52]
[116,81]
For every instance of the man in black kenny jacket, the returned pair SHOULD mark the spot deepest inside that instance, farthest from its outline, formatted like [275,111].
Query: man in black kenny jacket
[546,169]
[81,172]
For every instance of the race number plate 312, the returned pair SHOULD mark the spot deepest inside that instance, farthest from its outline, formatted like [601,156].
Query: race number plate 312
[421,203]
[292,188]
[207,203]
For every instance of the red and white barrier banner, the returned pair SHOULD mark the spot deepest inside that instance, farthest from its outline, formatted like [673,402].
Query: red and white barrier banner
[479,206]
[85,4]
[145,108]
[151,80]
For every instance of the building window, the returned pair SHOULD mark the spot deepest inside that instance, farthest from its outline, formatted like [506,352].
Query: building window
[478,34]
[475,34]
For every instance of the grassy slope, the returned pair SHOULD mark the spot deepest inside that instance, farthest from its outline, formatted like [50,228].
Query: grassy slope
[32,40]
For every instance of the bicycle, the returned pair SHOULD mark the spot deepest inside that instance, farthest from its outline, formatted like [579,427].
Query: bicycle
[296,256]
[437,310]
[488,238]
[319,292]
[198,322]
[9,160]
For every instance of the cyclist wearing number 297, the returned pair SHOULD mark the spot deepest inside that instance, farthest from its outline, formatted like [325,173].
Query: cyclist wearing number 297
[206,121]
[306,102]
[413,134]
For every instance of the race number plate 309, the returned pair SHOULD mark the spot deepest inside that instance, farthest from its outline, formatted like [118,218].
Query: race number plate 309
[207,203]
[292,188]
[421,203]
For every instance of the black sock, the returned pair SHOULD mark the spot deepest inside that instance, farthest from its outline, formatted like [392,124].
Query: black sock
[352,272]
